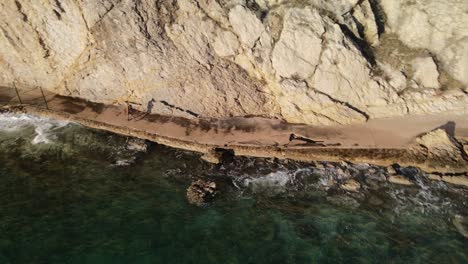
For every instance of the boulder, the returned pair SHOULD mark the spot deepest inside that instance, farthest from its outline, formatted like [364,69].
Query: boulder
[201,192]
[351,185]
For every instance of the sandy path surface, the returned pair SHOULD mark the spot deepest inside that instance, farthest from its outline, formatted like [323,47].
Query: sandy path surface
[396,132]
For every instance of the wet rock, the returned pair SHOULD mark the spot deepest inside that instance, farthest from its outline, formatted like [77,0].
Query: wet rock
[343,200]
[391,170]
[124,162]
[461,223]
[211,158]
[219,155]
[137,144]
[374,200]
[434,177]
[351,185]
[378,177]
[456,180]
[341,174]
[375,181]
[399,179]
[201,192]
[319,166]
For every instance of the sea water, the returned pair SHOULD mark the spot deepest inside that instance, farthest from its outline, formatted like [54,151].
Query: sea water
[69,194]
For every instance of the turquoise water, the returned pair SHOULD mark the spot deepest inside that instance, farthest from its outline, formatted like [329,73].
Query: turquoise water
[74,195]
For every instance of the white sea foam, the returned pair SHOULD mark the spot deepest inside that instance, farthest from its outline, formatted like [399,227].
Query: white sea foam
[274,182]
[43,127]
[274,179]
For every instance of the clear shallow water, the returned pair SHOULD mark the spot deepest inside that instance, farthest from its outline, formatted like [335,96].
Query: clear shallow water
[74,195]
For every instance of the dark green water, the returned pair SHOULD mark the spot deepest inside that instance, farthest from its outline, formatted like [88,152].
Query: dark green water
[66,201]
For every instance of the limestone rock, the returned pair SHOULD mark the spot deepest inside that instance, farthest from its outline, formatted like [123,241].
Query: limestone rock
[367,20]
[297,53]
[391,170]
[302,61]
[439,26]
[440,145]
[425,72]
[226,44]
[351,185]
[246,25]
[398,179]
[211,158]
[457,180]
[395,77]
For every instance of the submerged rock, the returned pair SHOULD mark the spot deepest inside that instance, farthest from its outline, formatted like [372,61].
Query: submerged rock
[201,192]
[461,223]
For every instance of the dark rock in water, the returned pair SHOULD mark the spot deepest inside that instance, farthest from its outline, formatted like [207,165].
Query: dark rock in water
[137,144]
[375,201]
[461,223]
[343,200]
[201,192]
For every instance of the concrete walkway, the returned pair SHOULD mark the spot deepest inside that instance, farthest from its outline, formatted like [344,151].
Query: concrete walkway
[396,132]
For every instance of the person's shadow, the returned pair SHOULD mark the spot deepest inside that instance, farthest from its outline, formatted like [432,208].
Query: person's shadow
[149,109]
[449,128]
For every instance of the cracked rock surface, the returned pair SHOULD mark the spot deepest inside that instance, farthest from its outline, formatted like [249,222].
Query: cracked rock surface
[317,62]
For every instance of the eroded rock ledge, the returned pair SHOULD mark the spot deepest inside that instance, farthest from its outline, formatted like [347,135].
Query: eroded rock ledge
[435,152]
[315,62]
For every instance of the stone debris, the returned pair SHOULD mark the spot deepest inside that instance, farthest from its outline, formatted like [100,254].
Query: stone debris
[201,192]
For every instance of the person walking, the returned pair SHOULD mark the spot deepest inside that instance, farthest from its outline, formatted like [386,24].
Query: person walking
[129,109]
[150,106]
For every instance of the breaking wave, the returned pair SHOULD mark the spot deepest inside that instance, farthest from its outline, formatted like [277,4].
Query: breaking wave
[43,127]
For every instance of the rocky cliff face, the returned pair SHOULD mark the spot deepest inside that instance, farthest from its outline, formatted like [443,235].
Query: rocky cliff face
[307,61]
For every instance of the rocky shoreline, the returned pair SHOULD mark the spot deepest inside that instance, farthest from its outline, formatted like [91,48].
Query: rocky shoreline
[345,184]
[435,152]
